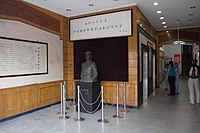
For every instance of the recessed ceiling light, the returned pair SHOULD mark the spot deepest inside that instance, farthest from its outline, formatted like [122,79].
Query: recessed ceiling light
[163,22]
[141,25]
[161,17]
[68,9]
[167,31]
[192,7]
[91,4]
[159,12]
[155,3]
[191,14]
[165,26]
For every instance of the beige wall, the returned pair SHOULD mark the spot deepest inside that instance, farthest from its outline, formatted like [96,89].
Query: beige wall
[19,30]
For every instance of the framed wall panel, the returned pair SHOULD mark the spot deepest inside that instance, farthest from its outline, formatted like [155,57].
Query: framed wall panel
[22,57]
[106,25]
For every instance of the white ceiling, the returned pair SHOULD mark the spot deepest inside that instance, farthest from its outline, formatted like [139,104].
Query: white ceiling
[171,9]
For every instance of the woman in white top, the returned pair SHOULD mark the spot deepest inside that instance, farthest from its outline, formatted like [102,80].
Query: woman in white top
[177,91]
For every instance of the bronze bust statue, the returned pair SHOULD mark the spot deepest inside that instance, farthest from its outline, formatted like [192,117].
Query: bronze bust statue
[89,70]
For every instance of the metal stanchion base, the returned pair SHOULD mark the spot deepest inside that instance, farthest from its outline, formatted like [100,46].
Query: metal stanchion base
[62,117]
[81,119]
[103,121]
[125,110]
[60,113]
[72,104]
[118,116]
[67,108]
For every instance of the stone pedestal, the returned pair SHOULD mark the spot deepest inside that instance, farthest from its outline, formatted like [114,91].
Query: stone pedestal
[90,92]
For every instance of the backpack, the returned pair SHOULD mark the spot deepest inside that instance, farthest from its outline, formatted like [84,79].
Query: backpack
[194,72]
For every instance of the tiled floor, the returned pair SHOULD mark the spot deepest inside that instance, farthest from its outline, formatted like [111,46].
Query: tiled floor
[161,114]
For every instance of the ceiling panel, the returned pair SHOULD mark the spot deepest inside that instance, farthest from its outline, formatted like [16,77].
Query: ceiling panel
[171,9]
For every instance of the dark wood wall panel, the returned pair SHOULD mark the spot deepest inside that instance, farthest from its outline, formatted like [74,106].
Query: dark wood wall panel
[110,55]
[21,10]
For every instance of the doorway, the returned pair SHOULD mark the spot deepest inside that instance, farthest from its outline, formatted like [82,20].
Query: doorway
[186,58]
[154,71]
[145,73]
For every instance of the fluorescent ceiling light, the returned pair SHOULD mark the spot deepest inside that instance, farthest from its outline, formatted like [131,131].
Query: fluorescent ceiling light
[91,4]
[161,17]
[155,3]
[159,12]
[179,42]
[68,9]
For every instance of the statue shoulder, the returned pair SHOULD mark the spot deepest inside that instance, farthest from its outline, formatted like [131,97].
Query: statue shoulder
[83,64]
[91,62]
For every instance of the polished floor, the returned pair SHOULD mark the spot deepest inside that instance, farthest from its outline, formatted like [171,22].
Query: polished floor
[161,114]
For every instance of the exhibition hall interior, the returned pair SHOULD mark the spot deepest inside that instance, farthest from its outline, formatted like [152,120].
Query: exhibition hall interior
[99,66]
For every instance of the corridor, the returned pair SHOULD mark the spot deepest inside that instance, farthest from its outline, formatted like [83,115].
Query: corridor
[161,114]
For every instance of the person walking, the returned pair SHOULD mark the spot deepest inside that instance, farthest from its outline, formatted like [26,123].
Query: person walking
[177,91]
[165,71]
[193,82]
[171,78]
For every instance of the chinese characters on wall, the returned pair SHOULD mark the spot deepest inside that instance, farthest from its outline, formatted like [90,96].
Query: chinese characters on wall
[17,58]
[93,26]
[100,26]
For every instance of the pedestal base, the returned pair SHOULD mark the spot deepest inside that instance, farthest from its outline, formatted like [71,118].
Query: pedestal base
[103,121]
[90,92]
[81,119]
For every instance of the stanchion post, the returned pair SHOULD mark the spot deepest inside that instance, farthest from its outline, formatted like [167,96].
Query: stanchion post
[124,109]
[102,120]
[79,109]
[64,103]
[117,100]
[65,87]
[61,104]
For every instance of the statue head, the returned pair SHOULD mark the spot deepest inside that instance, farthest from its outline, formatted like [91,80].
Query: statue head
[88,55]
